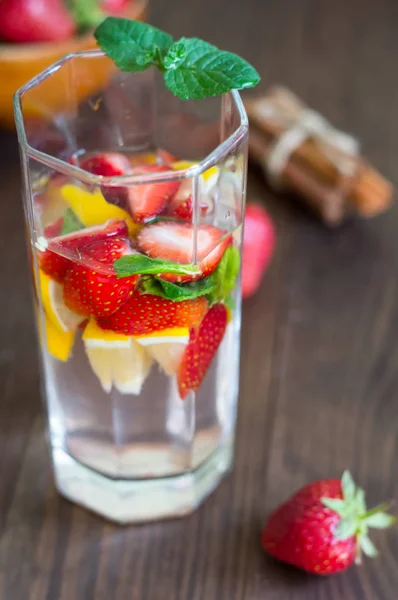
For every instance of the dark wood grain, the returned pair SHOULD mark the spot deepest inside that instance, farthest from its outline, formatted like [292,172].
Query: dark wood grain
[319,389]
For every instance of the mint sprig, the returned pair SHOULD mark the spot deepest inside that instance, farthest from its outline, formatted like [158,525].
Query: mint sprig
[193,69]
[217,286]
[225,275]
[140,264]
[177,292]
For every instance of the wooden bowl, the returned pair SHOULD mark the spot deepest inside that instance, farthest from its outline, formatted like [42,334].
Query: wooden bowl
[21,62]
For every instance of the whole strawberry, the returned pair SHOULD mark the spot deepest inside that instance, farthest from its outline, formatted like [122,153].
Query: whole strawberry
[258,247]
[323,528]
[26,21]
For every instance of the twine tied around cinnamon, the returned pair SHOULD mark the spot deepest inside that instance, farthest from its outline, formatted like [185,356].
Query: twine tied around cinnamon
[298,124]
[301,151]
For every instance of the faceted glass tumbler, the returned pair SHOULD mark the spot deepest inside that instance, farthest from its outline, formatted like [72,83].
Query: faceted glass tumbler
[142,399]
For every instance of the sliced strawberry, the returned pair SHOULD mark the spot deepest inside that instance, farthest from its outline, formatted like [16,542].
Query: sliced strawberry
[181,204]
[55,259]
[54,229]
[92,288]
[53,265]
[144,313]
[148,200]
[175,242]
[110,164]
[107,164]
[203,345]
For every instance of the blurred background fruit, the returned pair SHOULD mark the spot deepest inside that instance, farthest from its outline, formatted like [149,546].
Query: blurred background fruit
[36,33]
[258,247]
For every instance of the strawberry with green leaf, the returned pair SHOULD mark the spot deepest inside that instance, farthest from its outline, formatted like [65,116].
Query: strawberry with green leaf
[324,527]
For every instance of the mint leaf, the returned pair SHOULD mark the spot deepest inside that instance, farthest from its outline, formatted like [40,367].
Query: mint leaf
[225,275]
[132,45]
[193,69]
[175,56]
[206,71]
[175,292]
[140,264]
[71,223]
[230,302]
[217,287]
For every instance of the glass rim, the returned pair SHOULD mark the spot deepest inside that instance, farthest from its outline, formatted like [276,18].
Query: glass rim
[220,152]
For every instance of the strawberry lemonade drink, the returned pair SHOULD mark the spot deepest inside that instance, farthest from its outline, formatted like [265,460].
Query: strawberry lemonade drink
[134,204]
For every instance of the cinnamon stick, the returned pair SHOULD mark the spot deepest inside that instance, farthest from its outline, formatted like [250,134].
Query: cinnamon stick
[367,193]
[328,202]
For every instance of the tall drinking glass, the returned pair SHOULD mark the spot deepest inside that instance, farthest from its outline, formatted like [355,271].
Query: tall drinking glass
[140,373]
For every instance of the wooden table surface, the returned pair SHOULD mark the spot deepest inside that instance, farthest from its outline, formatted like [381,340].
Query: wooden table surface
[319,387]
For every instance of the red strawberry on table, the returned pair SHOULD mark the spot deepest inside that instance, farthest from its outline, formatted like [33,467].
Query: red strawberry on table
[144,313]
[323,528]
[54,255]
[201,349]
[258,247]
[25,21]
[175,242]
[92,288]
[148,200]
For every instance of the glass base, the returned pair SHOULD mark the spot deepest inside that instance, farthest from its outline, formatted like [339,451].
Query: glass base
[137,501]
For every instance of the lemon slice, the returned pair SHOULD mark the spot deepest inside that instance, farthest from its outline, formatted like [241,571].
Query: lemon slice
[92,208]
[59,343]
[166,347]
[208,179]
[55,308]
[148,158]
[116,359]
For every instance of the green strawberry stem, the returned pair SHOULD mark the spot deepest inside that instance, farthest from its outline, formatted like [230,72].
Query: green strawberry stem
[356,520]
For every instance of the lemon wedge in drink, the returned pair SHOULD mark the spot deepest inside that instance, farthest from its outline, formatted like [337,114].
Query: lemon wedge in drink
[116,359]
[92,208]
[59,343]
[166,347]
[54,306]
[208,178]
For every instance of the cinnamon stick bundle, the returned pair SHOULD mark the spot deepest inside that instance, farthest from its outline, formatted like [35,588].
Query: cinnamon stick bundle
[324,169]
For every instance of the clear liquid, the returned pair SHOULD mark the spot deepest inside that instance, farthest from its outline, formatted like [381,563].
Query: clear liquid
[130,441]
[135,457]
[153,434]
